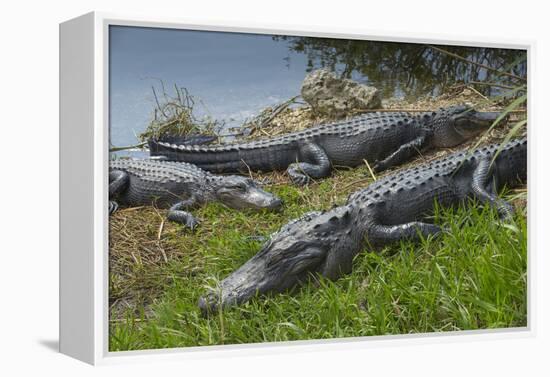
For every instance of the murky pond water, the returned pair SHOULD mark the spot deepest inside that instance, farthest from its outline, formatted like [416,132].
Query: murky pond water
[237,75]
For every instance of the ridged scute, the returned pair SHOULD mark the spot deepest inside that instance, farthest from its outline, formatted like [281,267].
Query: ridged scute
[160,171]
[431,180]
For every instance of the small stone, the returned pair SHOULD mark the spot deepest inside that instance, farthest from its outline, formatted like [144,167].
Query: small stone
[328,94]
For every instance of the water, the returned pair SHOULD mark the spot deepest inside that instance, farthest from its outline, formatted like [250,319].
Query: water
[237,75]
[234,75]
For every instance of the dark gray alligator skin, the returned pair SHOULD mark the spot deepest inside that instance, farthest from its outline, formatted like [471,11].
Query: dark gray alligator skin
[180,186]
[390,209]
[383,139]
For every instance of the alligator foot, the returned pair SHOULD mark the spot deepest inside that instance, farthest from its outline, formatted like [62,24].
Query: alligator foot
[482,175]
[184,218]
[297,177]
[505,210]
[318,165]
[378,167]
[404,153]
[257,238]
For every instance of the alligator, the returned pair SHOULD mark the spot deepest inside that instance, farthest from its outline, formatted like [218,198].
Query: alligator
[383,139]
[391,209]
[181,186]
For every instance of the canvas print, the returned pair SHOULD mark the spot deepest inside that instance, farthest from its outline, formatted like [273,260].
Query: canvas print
[268,188]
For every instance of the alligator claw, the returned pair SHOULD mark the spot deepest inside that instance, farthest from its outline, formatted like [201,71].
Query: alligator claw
[378,167]
[191,222]
[299,179]
[505,211]
[265,181]
[257,238]
[302,181]
[113,207]
[184,218]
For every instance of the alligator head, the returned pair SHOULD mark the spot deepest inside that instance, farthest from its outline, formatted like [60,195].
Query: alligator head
[317,243]
[457,124]
[241,192]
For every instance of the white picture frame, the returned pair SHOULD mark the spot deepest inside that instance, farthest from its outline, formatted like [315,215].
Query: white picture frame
[84,163]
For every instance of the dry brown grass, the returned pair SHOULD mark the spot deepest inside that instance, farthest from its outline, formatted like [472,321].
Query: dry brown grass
[140,253]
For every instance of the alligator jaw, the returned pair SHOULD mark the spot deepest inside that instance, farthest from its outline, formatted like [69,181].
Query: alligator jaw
[279,266]
[240,192]
[473,122]
[238,287]
[258,199]
[483,119]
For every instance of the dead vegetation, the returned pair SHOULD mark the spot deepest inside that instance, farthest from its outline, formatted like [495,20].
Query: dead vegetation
[140,254]
[175,114]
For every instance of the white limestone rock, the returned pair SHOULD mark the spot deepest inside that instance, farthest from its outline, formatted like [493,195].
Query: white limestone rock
[331,95]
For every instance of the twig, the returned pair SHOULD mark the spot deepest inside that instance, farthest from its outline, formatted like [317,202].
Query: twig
[157,100]
[135,259]
[476,63]
[161,227]
[354,183]
[129,209]
[477,92]
[370,170]
[230,135]
[178,93]
[116,149]
[278,110]
[491,84]
[248,167]
[257,123]
[265,132]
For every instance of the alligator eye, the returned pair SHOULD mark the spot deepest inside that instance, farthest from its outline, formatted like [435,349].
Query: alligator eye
[238,187]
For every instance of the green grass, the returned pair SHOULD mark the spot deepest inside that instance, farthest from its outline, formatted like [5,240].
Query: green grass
[472,277]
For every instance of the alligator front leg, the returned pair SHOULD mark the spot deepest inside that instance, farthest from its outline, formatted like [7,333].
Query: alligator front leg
[481,177]
[383,234]
[118,182]
[316,164]
[177,214]
[403,154]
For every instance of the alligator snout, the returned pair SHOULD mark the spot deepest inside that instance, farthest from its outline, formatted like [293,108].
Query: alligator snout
[473,122]
[241,192]
[256,198]
[240,286]
[484,118]
[210,304]
[275,203]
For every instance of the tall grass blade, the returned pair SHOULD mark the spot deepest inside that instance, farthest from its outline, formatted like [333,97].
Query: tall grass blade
[512,106]
[509,136]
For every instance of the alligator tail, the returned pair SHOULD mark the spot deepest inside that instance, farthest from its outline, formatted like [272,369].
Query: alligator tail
[227,158]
